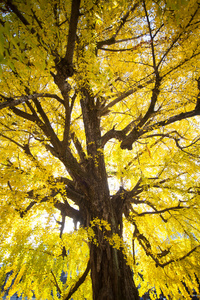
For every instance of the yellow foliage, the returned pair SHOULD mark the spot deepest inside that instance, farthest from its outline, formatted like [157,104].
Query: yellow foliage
[107,113]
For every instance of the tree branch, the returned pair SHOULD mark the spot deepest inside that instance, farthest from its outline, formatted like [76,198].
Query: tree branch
[24,114]
[121,22]
[182,148]
[11,102]
[72,31]
[69,190]
[64,208]
[54,139]
[78,283]
[67,117]
[68,210]
[56,283]
[177,38]
[31,195]
[180,258]
[112,41]
[172,119]
[135,133]
[21,17]
[145,244]
[128,141]
[63,153]
[64,66]
[162,210]
[24,147]
[79,148]
[124,95]
[152,41]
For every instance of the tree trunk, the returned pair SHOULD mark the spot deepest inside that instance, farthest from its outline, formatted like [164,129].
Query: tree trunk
[112,278]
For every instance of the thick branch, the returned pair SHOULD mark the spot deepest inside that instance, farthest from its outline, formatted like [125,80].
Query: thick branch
[14,8]
[67,117]
[117,134]
[36,19]
[112,41]
[67,210]
[72,31]
[63,153]
[11,102]
[64,66]
[69,190]
[135,134]
[24,114]
[120,49]
[78,146]
[34,118]
[64,208]
[173,119]
[75,196]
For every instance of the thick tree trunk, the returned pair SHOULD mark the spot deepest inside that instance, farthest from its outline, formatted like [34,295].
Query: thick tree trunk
[112,278]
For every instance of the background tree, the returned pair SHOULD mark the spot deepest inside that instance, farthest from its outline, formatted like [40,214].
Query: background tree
[100,104]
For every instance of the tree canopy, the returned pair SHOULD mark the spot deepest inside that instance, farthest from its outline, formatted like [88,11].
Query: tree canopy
[99,124]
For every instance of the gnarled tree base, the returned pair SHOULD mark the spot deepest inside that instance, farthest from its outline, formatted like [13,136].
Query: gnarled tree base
[112,278]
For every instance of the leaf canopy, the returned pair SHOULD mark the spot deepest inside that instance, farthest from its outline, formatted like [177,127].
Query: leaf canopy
[138,63]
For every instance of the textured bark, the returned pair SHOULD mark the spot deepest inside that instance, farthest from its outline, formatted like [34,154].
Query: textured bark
[112,278]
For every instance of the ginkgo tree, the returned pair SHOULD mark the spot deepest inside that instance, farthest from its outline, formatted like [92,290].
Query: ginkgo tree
[99,123]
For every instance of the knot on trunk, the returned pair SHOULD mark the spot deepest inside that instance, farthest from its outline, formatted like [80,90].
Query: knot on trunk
[64,70]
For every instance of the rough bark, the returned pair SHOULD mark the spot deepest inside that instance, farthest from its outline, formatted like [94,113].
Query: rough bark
[112,278]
